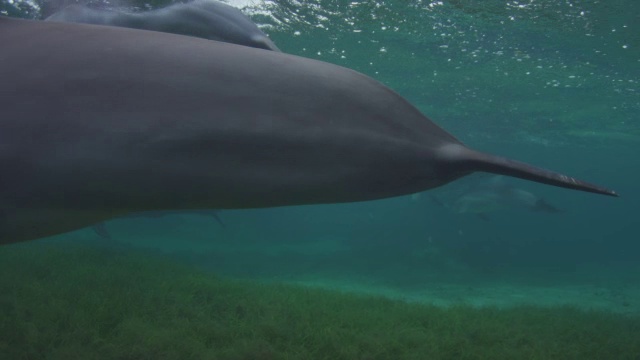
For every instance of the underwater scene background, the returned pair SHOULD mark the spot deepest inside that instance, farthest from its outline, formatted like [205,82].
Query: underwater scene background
[471,270]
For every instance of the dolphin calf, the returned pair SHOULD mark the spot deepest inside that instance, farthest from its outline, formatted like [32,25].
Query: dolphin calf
[101,230]
[207,19]
[99,121]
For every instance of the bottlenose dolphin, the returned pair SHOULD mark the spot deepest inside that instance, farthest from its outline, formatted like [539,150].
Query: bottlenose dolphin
[101,230]
[99,121]
[207,19]
[493,194]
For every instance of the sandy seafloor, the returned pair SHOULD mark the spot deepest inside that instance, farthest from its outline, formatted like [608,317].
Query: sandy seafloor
[331,264]
[623,299]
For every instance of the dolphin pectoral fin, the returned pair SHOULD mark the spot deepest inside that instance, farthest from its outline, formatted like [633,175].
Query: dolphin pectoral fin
[437,201]
[32,222]
[215,215]
[543,206]
[471,161]
[101,230]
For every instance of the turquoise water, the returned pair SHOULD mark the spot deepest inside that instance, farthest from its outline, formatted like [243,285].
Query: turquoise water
[553,83]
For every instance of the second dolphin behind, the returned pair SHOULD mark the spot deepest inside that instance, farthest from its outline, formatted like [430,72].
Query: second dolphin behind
[208,19]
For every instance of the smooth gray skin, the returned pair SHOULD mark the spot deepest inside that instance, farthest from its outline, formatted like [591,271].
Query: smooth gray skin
[101,230]
[494,194]
[98,122]
[211,20]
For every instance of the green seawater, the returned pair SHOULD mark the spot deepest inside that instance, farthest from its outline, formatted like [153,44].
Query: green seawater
[554,83]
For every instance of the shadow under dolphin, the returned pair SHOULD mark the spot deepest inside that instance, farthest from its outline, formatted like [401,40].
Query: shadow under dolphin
[98,122]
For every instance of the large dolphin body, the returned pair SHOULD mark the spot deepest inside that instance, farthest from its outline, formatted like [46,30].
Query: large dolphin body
[98,122]
[207,19]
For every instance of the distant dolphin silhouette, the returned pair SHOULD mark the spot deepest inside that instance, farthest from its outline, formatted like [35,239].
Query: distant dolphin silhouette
[101,230]
[99,122]
[207,19]
[491,195]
